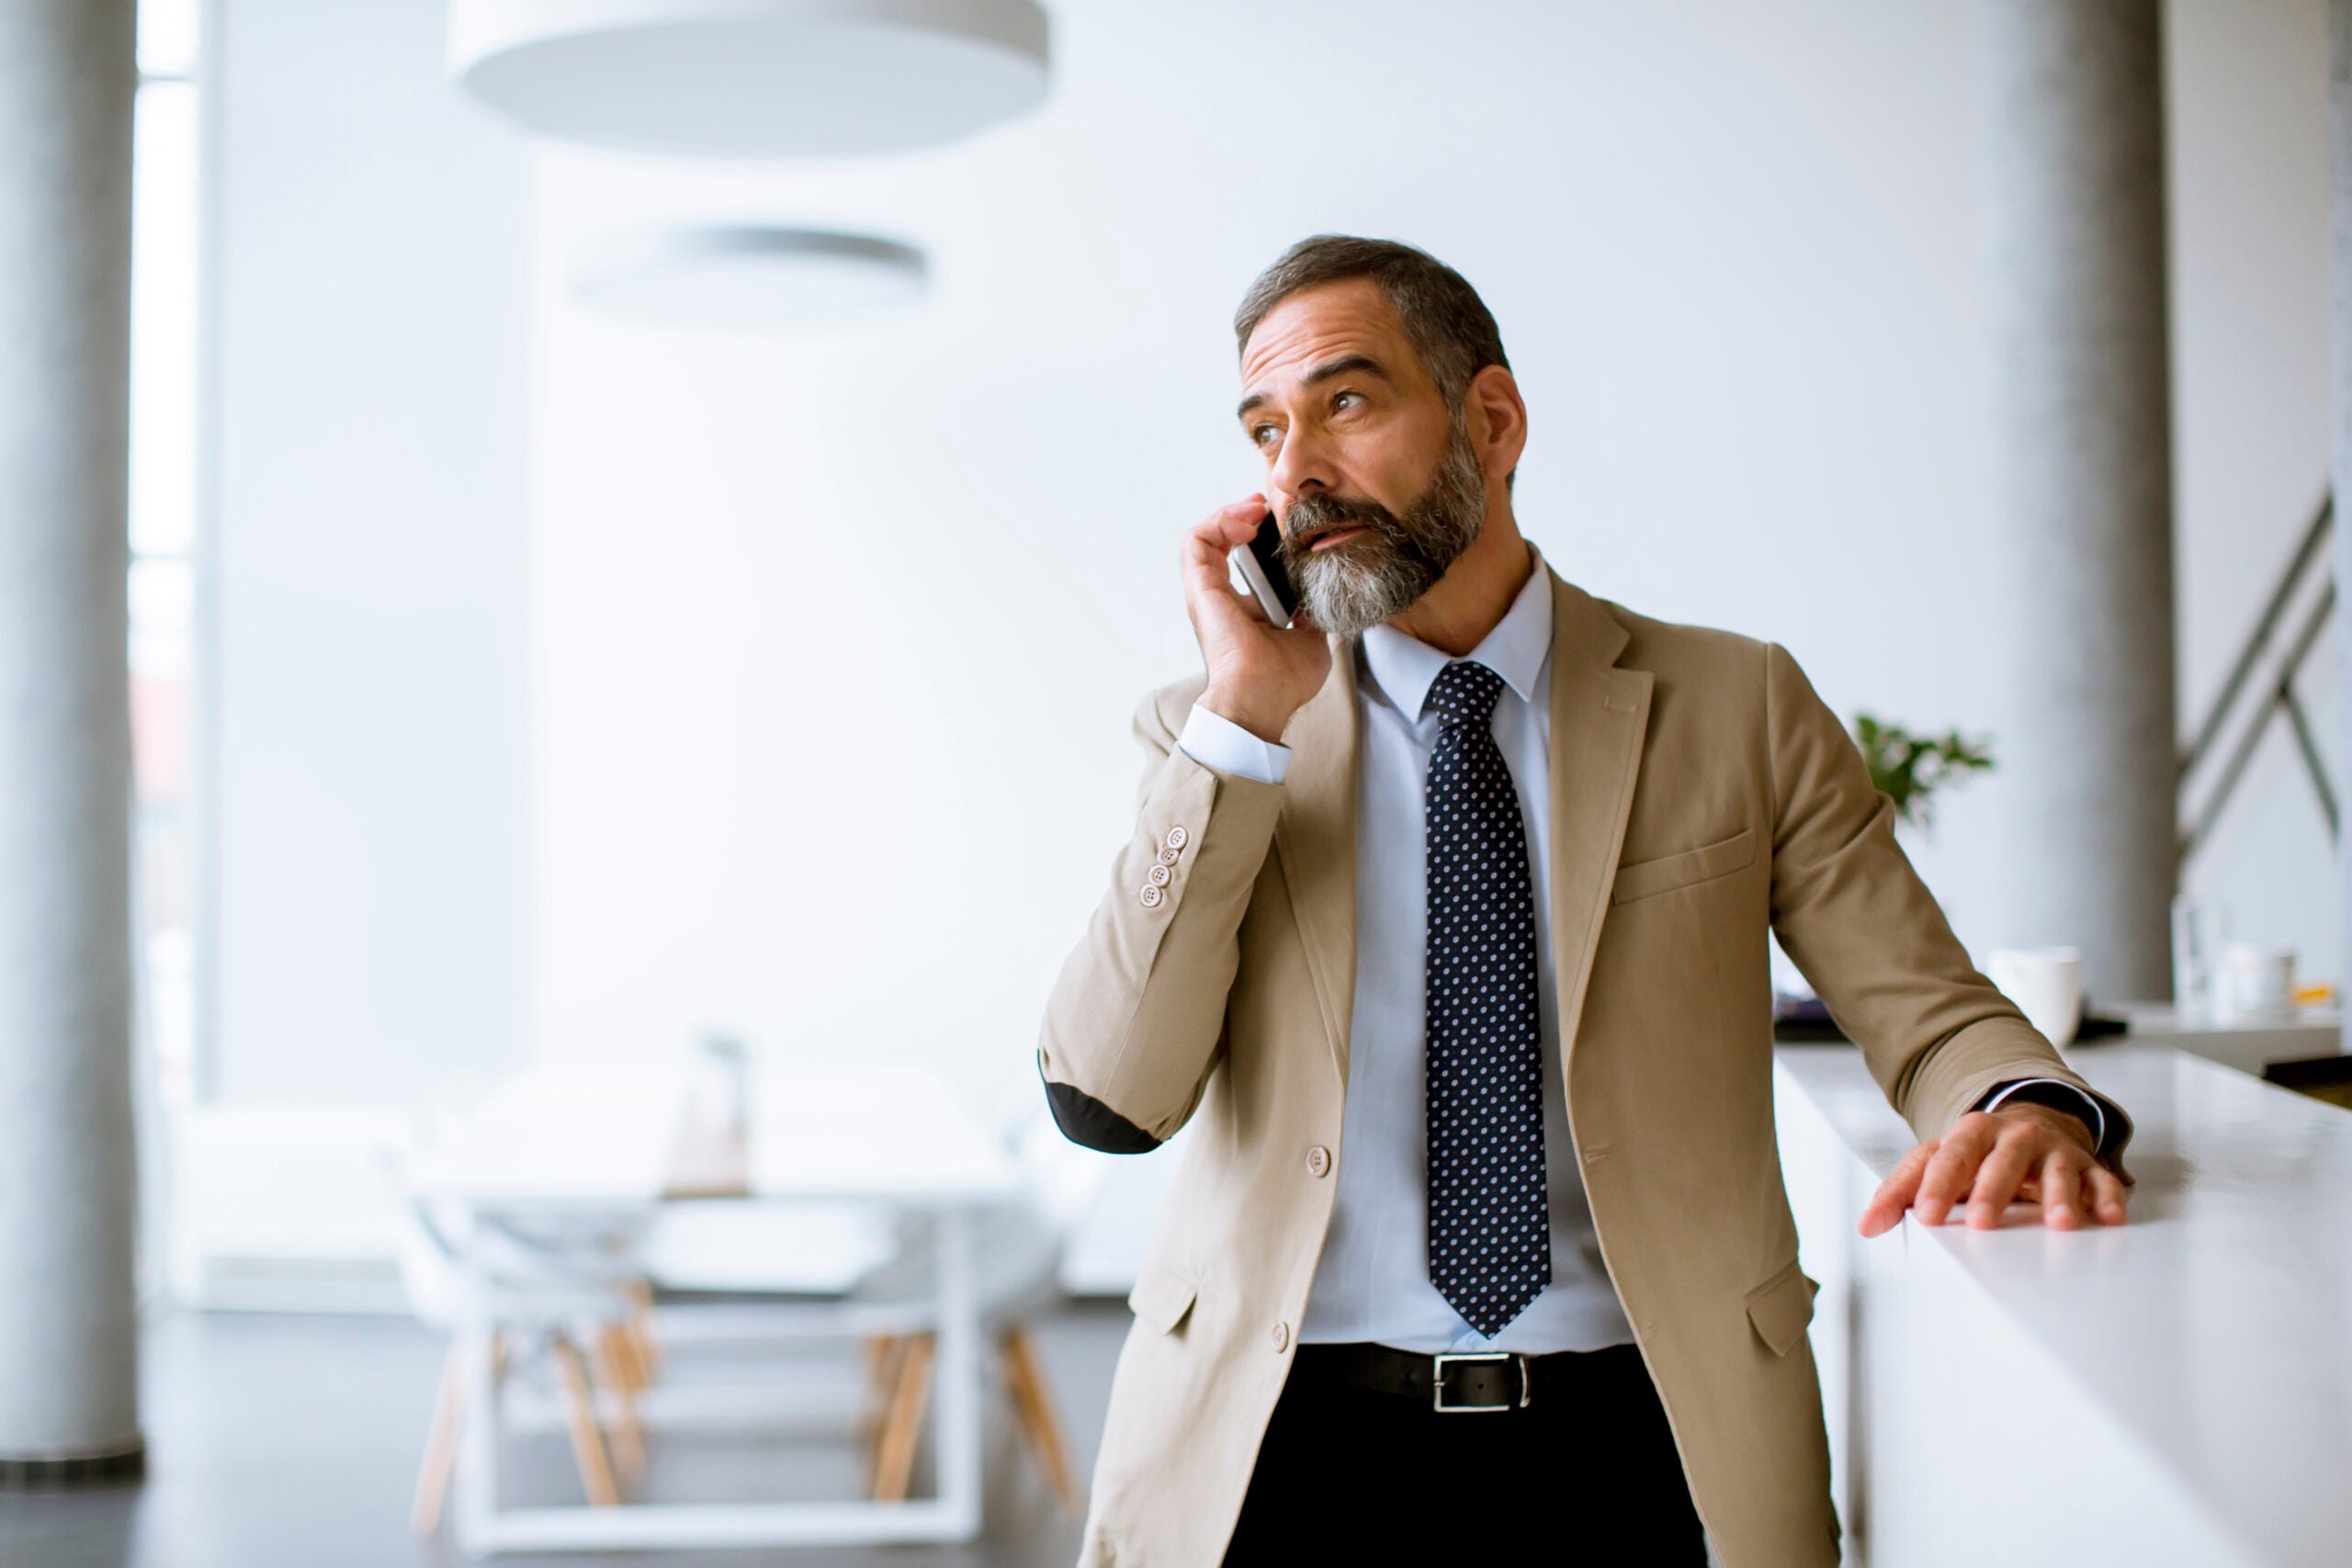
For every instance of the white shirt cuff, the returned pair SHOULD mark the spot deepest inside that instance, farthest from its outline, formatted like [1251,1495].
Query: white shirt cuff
[2091,1113]
[1216,741]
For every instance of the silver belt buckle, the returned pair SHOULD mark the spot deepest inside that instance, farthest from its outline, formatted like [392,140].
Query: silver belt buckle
[1445,1358]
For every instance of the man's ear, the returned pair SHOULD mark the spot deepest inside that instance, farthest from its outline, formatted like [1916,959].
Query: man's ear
[1497,418]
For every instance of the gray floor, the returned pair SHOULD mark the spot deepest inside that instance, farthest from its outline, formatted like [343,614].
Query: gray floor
[292,1443]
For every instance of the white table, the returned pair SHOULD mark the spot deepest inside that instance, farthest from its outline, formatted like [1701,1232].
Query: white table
[601,1145]
[2178,1390]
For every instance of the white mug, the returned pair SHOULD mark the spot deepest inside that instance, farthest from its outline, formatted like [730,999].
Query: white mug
[2047,985]
[2256,981]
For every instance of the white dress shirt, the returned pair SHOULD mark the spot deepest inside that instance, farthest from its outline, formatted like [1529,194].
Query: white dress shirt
[1373,1282]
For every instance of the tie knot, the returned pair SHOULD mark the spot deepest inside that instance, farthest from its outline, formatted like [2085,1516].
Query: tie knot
[1464,693]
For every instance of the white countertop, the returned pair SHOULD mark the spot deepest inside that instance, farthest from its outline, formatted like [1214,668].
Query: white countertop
[2216,1328]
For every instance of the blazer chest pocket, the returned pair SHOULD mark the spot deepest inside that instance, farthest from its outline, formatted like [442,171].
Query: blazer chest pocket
[1162,1297]
[1648,879]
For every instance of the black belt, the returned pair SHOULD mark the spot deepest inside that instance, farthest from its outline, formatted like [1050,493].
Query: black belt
[1451,1382]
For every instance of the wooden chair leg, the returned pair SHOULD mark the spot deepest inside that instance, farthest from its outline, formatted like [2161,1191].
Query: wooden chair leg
[640,1329]
[440,1443]
[618,1357]
[638,1343]
[882,1353]
[1034,1406]
[894,1454]
[613,1368]
[587,1441]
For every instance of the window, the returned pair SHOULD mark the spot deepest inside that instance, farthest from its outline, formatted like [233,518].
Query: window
[164,489]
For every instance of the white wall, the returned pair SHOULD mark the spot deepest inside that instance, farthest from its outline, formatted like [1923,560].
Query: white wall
[834,638]
[372,901]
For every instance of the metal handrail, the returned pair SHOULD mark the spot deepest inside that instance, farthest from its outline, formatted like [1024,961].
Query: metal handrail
[2305,553]
[2281,697]
[2305,741]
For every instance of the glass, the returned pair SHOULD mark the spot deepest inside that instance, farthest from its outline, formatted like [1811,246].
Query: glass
[162,587]
[2201,930]
[162,321]
[161,607]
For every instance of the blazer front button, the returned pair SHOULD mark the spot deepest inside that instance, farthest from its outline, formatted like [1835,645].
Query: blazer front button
[1176,837]
[1150,896]
[1319,1161]
[1281,1338]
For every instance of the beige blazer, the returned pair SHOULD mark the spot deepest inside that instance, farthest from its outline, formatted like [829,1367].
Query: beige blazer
[1700,794]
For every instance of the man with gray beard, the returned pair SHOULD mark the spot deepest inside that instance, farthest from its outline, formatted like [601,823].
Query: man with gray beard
[1444,918]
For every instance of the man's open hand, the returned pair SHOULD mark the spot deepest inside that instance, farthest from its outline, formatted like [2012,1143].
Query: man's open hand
[1989,1159]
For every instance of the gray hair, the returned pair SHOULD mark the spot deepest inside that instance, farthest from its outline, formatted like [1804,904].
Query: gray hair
[1449,326]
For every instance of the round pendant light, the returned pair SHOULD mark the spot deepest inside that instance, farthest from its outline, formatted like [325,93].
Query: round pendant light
[737,275]
[751,78]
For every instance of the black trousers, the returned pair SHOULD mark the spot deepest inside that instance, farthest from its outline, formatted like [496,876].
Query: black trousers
[1353,1475]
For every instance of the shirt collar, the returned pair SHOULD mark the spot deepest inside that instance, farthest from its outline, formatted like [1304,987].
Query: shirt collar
[1405,667]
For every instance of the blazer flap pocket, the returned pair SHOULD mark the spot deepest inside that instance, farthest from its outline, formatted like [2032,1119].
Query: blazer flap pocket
[1666,873]
[1780,1307]
[1162,1296]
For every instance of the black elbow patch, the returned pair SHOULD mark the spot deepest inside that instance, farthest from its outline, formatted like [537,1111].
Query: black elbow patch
[1086,1120]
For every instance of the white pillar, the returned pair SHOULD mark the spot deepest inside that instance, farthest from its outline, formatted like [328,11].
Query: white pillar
[68,1340]
[2072,119]
[2339,135]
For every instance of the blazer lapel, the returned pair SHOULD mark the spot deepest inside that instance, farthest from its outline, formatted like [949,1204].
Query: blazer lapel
[1316,837]
[1600,715]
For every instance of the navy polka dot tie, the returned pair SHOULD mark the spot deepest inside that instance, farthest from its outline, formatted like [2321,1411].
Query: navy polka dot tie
[1490,1233]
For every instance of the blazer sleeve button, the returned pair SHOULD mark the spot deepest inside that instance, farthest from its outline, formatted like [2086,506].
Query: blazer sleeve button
[1158,876]
[1150,896]
[1176,837]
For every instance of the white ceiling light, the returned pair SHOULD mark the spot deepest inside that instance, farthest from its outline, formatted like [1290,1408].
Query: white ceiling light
[738,276]
[751,78]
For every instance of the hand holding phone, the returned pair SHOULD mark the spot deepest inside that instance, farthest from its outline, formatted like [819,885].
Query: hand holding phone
[1258,565]
[1265,658]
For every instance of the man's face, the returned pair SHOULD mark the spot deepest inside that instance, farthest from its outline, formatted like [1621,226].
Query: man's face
[1370,470]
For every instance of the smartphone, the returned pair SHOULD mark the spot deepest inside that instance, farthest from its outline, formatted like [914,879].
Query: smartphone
[1259,567]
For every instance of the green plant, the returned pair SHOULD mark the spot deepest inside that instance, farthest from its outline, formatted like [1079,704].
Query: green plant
[1909,769]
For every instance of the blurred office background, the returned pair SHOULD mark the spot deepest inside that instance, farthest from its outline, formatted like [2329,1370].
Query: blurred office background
[518,682]
[570,684]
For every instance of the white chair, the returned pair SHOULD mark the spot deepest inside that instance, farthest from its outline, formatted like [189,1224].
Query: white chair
[854,1268]
[728,1246]
[744,1272]
[568,1296]
[1017,1252]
